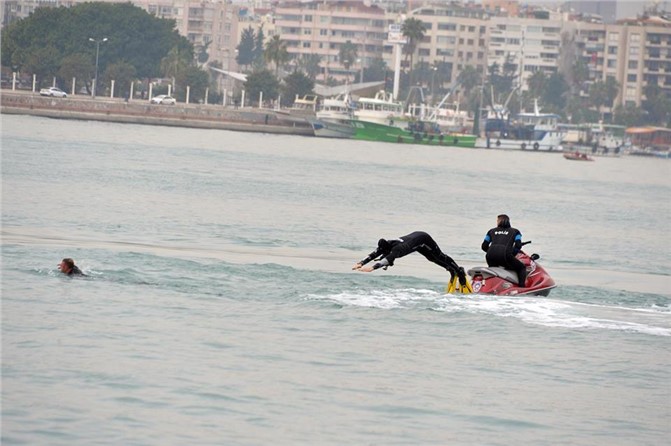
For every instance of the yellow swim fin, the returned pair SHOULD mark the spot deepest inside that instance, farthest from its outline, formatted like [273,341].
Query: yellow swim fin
[454,287]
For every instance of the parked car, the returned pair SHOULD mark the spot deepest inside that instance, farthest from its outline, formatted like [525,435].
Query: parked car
[53,92]
[163,99]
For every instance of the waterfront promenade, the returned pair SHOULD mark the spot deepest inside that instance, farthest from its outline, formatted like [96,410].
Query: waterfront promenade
[142,112]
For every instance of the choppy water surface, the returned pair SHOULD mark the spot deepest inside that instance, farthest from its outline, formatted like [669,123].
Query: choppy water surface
[220,307]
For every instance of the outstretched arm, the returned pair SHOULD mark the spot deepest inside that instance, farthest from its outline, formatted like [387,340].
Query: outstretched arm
[359,265]
[382,263]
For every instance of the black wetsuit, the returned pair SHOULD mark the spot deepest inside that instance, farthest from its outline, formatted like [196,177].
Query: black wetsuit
[75,271]
[501,246]
[418,241]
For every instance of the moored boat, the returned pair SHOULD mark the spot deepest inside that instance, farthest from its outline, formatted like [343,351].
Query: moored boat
[527,131]
[334,119]
[417,133]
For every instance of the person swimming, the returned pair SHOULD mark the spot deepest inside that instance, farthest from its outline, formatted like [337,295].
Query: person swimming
[68,267]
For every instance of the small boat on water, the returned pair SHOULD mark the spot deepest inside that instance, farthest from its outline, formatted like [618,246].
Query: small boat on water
[577,156]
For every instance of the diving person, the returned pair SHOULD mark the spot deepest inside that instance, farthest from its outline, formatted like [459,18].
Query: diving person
[502,244]
[389,250]
[68,267]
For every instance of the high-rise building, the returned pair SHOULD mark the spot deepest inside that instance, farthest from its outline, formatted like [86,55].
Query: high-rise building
[635,52]
[322,27]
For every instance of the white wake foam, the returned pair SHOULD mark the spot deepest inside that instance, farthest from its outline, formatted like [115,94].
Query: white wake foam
[531,310]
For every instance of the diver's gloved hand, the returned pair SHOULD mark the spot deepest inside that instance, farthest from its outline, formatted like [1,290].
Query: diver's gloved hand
[462,276]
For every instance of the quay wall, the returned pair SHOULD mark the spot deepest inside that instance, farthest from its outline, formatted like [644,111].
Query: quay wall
[142,112]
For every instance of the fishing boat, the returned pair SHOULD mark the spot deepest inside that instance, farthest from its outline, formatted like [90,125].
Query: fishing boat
[526,131]
[416,133]
[334,119]
[386,120]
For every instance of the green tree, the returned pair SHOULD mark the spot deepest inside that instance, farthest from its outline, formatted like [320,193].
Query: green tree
[630,115]
[203,55]
[245,48]
[554,92]
[578,111]
[77,66]
[175,64]
[598,95]
[197,80]
[501,78]
[537,83]
[413,30]
[43,62]
[611,90]
[469,78]
[123,75]
[310,65]
[376,71]
[262,81]
[276,52]
[260,50]
[296,84]
[133,35]
[347,54]
[657,105]
[579,74]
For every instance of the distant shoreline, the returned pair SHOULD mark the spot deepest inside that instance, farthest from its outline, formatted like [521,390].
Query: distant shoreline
[141,112]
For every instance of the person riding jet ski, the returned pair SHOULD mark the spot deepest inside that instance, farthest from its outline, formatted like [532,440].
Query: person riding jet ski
[502,244]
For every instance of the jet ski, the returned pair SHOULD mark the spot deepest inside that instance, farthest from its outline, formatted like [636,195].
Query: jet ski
[503,282]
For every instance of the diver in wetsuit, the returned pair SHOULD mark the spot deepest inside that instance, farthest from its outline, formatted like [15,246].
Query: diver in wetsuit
[390,250]
[501,244]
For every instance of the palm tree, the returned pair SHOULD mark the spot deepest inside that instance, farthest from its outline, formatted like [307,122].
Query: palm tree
[413,29]
[276,52]
[469,78]
[310,64]
[347,54]
[174,65]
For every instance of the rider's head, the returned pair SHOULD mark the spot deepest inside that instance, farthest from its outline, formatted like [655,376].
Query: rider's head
[384,246]
[503,221]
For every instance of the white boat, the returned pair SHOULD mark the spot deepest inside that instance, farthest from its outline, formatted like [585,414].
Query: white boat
[382,109]
[334,119]
[527,131]
[598,139]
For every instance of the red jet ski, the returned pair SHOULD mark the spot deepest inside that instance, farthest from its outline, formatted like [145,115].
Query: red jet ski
[503,282]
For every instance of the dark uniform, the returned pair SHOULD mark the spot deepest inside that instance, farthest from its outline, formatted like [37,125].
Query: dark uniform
[418,241]
[501,245]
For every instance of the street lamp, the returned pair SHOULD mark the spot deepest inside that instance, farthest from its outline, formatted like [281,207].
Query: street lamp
[433,76]
[360,61]
[95,80]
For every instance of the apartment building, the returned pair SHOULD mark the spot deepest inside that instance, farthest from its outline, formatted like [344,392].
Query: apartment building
[12,10]
[531,45]
[456,35]
[635,52]
[319,27]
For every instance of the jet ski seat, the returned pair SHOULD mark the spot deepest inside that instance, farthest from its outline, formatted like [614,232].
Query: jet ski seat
[494,271]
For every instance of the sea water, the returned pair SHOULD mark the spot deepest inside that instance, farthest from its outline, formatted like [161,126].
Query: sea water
[220,306]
